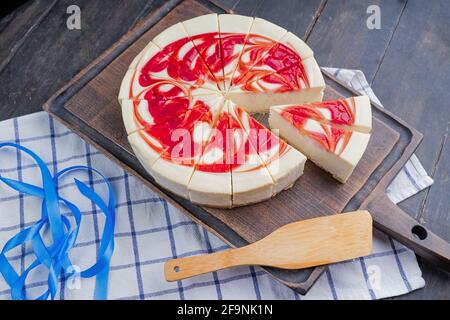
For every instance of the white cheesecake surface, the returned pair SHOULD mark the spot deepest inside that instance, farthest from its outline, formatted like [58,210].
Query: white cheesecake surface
[326,132]
[187,98]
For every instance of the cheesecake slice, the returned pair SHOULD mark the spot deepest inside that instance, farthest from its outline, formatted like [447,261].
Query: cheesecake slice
[262,37]
[176,164]
[353,113]
[176,43]
[157,75]
[288,86]
[335,150]
[204,33]
[288,53]
[211,184]
[284,163]
[140,114]
[170,150]
[251,181]
[234,30]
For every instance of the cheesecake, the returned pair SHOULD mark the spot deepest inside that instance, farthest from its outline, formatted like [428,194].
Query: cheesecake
[288,86]
[284,163]
[251,181]
[187,101]
[333,148]
[354,113]
[262,37]
[203,31]
[179,146]
[211,183]
[234,30]
[288,53]
[157,74]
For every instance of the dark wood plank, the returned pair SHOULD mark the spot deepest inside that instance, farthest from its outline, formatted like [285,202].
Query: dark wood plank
[15,28]
[340,37]
[228,5]
[411,81]
[422,36]
[436,208]
[296,16]
[436,216]
[52,55]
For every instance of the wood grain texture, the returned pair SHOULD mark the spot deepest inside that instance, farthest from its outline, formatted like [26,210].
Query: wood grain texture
[436,216]
[16,28]
[341,38]
[296,16]
[298,245]
[422,36]
[54,54]
[437,204]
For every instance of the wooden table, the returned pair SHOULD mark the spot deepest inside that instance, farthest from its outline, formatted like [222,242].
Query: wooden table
[407,62]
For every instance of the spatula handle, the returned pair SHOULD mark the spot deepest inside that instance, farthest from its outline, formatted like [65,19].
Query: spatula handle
[182,268]
[389,218]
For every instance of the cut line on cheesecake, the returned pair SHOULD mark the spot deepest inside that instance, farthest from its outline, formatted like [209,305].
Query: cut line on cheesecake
[284,163]
[175,174]
[204,33]
[233,31]
[335,150]
[259,95]
[353,113]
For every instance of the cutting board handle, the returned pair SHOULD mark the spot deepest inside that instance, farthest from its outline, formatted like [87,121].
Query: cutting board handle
[391,219]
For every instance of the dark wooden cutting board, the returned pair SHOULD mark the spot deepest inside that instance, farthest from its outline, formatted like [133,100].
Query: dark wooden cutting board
[88,105]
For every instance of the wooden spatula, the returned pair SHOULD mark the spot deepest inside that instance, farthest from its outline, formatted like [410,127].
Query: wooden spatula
[297,245]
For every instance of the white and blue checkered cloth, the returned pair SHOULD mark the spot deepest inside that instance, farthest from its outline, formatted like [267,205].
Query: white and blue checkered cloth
[150,231]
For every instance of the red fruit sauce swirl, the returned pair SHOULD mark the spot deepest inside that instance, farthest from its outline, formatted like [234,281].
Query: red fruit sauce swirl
[264,140]
[170,116]
[342,113]
[217,141]
[273,63]
[184,67]
[241,146]
[329,139]
[171,108]
[209,47]
[230,42]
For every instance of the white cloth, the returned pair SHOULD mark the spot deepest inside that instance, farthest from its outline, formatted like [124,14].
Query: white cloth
[149,231]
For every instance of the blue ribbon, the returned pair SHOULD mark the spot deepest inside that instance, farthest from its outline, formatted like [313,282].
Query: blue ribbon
[55,257]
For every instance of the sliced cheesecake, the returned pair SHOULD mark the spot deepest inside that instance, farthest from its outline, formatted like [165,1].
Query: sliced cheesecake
[204,33]
[234,30]
[334,149]
[284,163]
[354,113]
[186,101]
[292,85]
[176,43]
[211,182]
[251,181]
[288,53]
[157,75]
[138,114]
[141,114]
[169,151]
[262,37]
